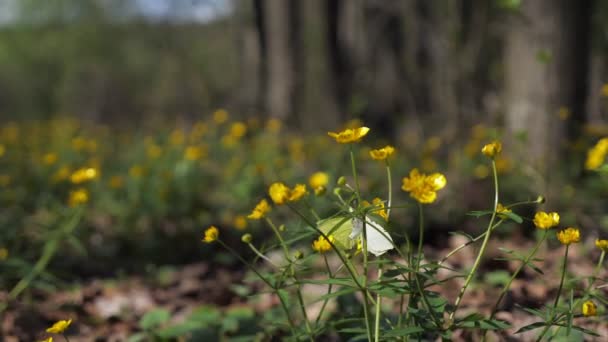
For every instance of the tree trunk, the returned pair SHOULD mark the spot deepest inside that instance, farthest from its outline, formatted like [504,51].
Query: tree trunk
[545,71]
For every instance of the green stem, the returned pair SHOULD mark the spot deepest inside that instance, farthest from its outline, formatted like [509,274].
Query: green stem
[364,290]
[505,289]
[477,238]
[482,250]
[354,169]
[390,190]
[420,236]
[378,303]
[559,292]
[281,241]
[329,288]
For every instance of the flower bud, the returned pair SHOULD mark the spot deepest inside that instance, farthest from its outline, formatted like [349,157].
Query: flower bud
[282,228]
[298,255]
[246,238]
[342,181]
[540,199]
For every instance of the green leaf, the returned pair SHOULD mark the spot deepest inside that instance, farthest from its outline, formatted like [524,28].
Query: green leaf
[340,227]
[499,277]
[477,321]
[531,327]
[335,281]
[514,217]
[180,329]
[154,318]
[205,315]
[403,331]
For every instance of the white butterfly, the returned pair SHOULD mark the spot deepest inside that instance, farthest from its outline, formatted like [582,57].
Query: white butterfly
[378,239]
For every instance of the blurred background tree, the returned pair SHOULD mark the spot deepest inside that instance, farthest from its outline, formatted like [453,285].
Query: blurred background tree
[533,67]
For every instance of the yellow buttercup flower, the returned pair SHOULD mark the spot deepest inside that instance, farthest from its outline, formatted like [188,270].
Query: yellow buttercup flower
[423,188]
[220,116]
[382,153]
[281,193]
[321,244]
[49,158]
[153,151]
[211,234]
[59,327]
[297,192]
[240,222]
[543,220]
[597,154]
[589,309]
[318,179]
[569,235]
[84,175]
[349,135]
[273,125]
[492,149]
[501,211]
[238,130]
[78,197]
[194,153]
[260,210]
[602,244]
[377,202]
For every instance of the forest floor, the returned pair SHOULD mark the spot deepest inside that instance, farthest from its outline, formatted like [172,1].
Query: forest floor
[110,309]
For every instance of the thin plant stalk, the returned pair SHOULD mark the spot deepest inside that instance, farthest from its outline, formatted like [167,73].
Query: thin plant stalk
[378,304]
[482,250]
[329,289]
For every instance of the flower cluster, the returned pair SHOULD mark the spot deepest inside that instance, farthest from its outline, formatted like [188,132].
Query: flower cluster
[281,193]
[322,245]
[543,220]
[569,235]
[423,187]
[596,155]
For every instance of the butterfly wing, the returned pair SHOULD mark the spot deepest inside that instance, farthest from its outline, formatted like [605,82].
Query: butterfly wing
[340,227]
[378,239]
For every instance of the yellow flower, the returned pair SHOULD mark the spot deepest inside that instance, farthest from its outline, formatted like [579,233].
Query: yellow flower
[194,153]
[543,220]
[3,253]
[377,202]
[321,244]
[238,130]
[260,210]
[220,116]
[78,197]
[211,234]
[297,192]
[50,339]
[281,193]
[240,222]
[569,235]
[84,175]
[597,154]
[349,135]
[61,174]
[2,150]
[602,244]
[116,182]
[589,309]
[605,90]
[59,327]
[49,158]
[318,179]
[177,137]
[501,210]
[423,188]
[136,171]
[273,125]
[492,149]
[382,153]
[153,151]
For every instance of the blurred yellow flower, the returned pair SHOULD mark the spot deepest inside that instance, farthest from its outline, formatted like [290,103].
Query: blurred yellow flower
[423,188]
[3,253]
[322,245]
[49,339]
[83,175]
[543,220]
[432,144]
[502,210]
[5,180]
[597,154]
[260,210]
[136,171]
[563,113]
[177,137]
[492,149]
[49,158]
[79,143]
[481,171]
[569,235]
[281,193]
[602,244]
[240,222]
[153,151]
[605,90]
[382,153]
[220,116]
[2,150]
[273,125]
[59,327]
[318,179]
[211,234]
[199,129]
[194,153]
[238,130]
[589,309]
[78,197]
[349,135]
[62,174]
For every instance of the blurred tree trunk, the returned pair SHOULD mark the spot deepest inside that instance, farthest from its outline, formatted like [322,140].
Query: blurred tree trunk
[252,47]
[281,34]
[546,56]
